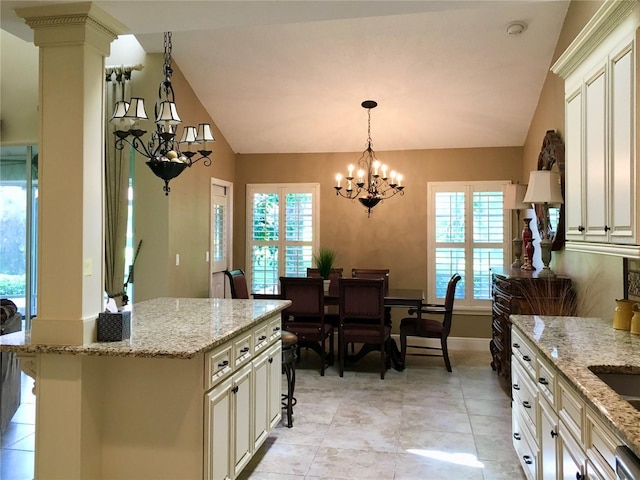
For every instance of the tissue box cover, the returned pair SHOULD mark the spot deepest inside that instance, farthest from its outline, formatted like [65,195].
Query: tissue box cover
[113,327]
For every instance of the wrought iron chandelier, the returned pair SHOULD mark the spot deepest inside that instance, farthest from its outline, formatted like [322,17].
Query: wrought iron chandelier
[166,160]
[372,185]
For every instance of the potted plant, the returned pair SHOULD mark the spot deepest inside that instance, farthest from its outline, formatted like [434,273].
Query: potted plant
[324,259]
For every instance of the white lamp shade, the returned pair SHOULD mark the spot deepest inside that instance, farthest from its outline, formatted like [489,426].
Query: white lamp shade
[136,109]
[188,135]
[514,197]
[544,187]
[167,112]
[204,133]
[118,118]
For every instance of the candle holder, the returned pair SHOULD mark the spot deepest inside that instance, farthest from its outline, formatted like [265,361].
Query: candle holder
[527,240]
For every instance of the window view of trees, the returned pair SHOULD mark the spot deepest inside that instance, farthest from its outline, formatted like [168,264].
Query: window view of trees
[18,214]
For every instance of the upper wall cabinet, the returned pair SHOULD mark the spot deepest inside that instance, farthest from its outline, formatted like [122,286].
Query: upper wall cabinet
[601,92]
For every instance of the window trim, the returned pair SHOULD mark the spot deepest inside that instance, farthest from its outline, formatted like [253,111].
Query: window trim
[468,304]
[281,189]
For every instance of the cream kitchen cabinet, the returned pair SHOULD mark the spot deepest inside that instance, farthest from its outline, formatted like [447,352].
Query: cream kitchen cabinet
[244,380]
[599,69]
[555,434]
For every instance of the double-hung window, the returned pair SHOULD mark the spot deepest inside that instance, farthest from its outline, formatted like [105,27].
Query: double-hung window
[282,232]
[467,234]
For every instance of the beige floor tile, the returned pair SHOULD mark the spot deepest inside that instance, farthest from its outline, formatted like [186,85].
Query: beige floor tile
[490,425]
[278,458]
[508,469]
[450,442]
[434,465]
[353,464]
[495,407]
[378,438]
[494,447]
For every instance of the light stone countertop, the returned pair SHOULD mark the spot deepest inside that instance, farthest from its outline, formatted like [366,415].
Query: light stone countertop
[168,328]
[573,344]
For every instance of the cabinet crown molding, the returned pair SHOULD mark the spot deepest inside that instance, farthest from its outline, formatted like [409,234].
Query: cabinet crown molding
[605,20]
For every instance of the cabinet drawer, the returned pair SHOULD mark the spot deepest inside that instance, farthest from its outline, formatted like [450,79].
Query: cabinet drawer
[546,381]
[524,396]
[524,446]
[523,352]
[570,409]
[242,350]
[275,328]
[601,447]
[217,365]
[261,338]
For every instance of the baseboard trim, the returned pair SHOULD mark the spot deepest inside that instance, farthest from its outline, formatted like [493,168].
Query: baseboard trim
[454,343]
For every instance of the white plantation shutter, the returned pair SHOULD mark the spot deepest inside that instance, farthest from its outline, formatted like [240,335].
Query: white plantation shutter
[282,232]
[467,236]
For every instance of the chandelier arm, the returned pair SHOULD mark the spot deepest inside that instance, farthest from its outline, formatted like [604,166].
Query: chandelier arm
[136,143]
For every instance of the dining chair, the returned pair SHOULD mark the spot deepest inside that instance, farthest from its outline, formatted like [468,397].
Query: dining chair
[429,328]
[237,283]
[334,275]
[372,273]
[362,317]
[305,315]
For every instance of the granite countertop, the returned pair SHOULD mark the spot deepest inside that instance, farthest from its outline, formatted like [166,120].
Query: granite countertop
[168,328]
[573,344]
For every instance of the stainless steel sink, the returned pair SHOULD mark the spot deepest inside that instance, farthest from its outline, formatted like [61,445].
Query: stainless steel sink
[625,383]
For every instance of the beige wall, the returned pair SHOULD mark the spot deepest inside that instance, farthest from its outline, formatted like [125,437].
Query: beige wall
[597,278]
[395,236]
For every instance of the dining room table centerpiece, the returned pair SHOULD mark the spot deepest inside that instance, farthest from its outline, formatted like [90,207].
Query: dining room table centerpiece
[325,259]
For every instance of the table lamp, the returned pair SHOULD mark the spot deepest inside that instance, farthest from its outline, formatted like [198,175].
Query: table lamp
[513,200]
[544,189]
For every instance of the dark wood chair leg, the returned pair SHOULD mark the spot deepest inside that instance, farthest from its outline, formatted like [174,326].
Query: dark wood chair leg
[403,347]
[445,354]
[383,361]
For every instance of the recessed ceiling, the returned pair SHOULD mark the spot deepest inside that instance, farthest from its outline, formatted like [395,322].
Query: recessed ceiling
[289,76]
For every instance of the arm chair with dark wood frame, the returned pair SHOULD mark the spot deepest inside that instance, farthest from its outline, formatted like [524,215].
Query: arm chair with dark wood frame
[429,328]
[362,317]
[305,315]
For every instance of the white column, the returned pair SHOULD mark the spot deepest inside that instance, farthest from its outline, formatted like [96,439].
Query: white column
[74,40]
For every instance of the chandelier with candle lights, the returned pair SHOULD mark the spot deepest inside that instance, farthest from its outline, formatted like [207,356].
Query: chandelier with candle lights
[371,185]
[166,160]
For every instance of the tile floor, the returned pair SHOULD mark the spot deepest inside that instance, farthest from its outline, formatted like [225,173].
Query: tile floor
[17,441]
[419,424]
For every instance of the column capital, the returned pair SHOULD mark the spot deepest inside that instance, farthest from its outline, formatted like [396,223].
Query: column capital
[81,23]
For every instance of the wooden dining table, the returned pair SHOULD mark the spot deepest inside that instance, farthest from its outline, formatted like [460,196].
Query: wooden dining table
[411,298]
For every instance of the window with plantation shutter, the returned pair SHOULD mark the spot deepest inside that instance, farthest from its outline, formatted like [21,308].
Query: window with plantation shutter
[467,235]
[282,232]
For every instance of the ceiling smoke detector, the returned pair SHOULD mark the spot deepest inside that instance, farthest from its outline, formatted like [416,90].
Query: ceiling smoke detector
[516,28]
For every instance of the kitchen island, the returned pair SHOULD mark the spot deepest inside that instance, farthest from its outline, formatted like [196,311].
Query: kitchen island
[555,360]
[192,394]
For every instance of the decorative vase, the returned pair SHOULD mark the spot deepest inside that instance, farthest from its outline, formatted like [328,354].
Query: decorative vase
[327,284]
[527,241]
[622,314]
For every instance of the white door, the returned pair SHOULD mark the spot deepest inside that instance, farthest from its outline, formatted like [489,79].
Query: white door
[221,236]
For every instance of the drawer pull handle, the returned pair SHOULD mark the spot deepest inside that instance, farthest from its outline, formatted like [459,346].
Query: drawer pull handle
[526,358]
[516,386]
[235,389]
[526,404]
[244,350]
[262,338]
[276,329]
[527,459]
[270,359]
[543,381]
[554,434]
[516,345]
[579,476]
[517,436]
[581,228]
[223,364]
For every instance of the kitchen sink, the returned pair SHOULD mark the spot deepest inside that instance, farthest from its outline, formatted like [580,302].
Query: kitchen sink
[625,383]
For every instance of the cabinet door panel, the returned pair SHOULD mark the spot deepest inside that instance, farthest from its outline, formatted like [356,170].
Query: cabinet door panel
[242,418]
[275,384]
[595,158]
[548,442]
[260,400]
[573,165]
[218,431]
[622,209]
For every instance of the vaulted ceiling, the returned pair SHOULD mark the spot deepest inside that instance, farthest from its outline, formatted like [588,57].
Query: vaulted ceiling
[289,76]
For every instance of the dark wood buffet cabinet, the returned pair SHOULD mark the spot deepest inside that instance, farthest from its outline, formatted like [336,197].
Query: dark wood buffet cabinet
[522,292]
